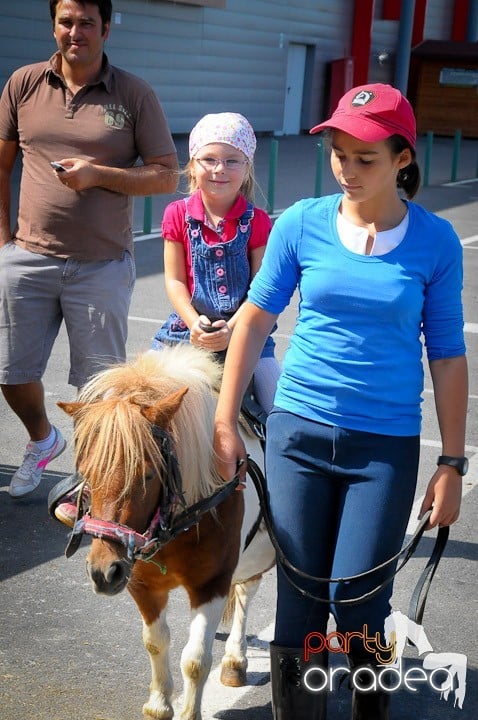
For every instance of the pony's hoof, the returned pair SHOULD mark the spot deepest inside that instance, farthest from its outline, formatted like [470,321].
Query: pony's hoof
[233,676]
[158,710]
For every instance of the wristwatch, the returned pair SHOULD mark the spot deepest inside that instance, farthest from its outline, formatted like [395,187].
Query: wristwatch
[459,463]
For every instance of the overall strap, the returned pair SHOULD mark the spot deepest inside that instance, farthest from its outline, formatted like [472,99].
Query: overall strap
[192,224]
[247,215]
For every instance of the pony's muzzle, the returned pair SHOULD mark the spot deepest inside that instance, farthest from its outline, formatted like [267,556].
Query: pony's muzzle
[111,579]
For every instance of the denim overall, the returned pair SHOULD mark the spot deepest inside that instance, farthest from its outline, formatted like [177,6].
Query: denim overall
[221,276]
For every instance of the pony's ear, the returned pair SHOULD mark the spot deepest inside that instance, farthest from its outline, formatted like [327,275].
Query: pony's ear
[161,413]
[71,408]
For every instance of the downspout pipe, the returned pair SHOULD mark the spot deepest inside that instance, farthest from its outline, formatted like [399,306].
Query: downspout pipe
[402,65]
[472,24]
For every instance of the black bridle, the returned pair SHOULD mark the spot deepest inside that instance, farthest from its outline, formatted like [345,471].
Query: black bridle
[166,524]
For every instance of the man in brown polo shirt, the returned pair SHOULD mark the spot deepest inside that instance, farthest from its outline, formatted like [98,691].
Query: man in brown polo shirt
[70,255]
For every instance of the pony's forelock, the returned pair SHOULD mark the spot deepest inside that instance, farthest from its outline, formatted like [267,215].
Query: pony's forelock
[113,433]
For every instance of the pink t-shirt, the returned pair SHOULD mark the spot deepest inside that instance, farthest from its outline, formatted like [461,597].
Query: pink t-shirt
[174,226]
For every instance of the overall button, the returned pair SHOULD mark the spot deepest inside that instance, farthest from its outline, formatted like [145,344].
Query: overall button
[219,252]
[220,272]
[222,289]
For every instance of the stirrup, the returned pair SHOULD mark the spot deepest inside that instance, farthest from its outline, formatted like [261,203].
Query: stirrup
[62,488]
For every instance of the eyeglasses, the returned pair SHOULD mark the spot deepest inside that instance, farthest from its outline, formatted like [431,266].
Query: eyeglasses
[211,163]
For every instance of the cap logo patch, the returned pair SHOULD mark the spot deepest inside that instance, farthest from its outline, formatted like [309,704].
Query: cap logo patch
[362,98]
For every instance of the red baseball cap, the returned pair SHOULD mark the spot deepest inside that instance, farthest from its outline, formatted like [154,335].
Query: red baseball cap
[373,113]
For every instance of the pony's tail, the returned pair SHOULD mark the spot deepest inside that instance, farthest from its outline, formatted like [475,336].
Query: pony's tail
[229,608]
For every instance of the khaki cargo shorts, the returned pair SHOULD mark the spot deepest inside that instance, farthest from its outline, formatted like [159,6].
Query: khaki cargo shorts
[39,292]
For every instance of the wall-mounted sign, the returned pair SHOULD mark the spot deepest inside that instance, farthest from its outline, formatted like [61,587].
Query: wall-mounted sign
[459,77]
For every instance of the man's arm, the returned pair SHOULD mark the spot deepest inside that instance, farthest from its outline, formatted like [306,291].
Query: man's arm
[157,175]
[8,153]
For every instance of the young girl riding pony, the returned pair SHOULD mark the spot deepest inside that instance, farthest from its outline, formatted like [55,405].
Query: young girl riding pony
[214,241]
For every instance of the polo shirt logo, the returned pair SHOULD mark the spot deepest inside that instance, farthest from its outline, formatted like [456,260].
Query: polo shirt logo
[114,120]
[116,115]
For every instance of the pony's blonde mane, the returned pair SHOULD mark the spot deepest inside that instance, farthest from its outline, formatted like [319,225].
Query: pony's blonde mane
[110,428]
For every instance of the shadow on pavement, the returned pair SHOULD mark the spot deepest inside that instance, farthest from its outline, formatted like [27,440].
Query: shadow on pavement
[30,537]
[453,549]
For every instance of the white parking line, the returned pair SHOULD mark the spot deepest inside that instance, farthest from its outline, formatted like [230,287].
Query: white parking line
[460,182]
[155,234]
[135,318]
[469,240]
[437,443]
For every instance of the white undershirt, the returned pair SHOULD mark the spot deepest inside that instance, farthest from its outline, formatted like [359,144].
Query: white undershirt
[355,238]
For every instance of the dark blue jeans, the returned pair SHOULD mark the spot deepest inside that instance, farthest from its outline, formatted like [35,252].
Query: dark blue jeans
[340,502]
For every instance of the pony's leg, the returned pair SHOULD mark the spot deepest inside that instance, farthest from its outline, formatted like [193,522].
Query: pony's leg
[152,604]
[196,658]
[234,662]
[156,639]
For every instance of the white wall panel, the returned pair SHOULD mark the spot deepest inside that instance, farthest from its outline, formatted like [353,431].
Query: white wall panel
[208,59]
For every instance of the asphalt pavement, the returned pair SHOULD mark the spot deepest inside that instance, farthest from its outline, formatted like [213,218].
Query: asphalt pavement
[66,653]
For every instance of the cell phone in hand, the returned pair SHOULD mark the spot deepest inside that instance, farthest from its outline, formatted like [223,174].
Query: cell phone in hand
[58,166]
[208,328]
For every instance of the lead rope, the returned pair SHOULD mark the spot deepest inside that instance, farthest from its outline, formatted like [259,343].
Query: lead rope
[419,596]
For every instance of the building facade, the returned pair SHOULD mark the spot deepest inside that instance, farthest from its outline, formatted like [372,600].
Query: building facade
[282,63]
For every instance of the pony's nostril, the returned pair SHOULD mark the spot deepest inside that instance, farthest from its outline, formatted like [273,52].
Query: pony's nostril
[116,573]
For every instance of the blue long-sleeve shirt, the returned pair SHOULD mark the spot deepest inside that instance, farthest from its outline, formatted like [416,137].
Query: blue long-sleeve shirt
[355,357]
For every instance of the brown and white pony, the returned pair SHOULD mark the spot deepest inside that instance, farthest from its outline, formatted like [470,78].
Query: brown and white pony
[122,417]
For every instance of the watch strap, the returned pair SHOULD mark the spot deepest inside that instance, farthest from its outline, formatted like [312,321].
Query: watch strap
[459,463]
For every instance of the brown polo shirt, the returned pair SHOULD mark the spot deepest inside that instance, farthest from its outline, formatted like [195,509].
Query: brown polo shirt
[113,122]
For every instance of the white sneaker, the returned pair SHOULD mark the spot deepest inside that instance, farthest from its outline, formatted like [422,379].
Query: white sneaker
[28,475]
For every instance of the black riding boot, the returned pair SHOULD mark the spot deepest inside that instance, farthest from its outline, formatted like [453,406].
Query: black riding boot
[367,704]
[291,699]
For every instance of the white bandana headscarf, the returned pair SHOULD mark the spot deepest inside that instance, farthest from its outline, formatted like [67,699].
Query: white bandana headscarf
[227,127]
